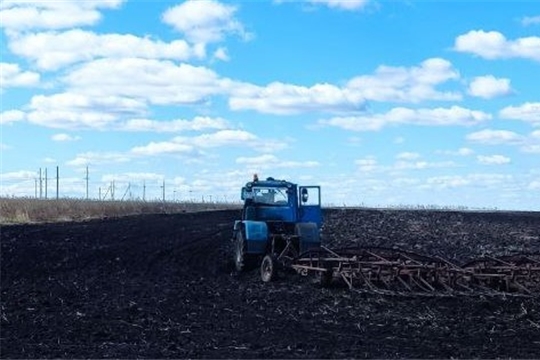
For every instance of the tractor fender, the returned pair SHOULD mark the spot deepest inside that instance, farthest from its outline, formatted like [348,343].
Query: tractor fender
[309,235]
[256,235]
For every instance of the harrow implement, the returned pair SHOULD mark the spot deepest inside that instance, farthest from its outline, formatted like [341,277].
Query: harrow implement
[387,269]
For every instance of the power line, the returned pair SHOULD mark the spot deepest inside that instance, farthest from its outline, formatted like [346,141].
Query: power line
[81,187]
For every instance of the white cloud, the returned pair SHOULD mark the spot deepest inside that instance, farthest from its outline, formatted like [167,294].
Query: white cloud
[493,181]
[11,75]
[367,164]
[447,181]
[354,141]
[221,138]
[178,125]
[454,116]
[401,84]
[132,177]
[527,143]
[493,159]
[407,156]
[397,84]
[269,161]
[269,145]
[529,112]
[402,182]
[75,111]
[494,137]
[38,14]
[61,137]
[257,160]
[100,94]
[534,185]
[405,161]
[11,116]
[421,165]
[94,158]
[460,152]
[54,50]
[166,83]
[494,45]
[296,164]
[165,147]
[204,21]
[221,54]
[280,98]
[531,144]
[489,87]
[465,151]
[342,4]
[530,20]
[18,175]
[158,82]
[356,123]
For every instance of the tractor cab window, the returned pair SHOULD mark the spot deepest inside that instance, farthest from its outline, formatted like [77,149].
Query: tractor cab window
[276,196]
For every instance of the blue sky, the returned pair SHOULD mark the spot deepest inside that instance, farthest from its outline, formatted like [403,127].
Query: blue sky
[382,103]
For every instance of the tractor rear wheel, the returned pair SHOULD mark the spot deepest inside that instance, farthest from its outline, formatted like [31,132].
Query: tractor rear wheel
[268,268]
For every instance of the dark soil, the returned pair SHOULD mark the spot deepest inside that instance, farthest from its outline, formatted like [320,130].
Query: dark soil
[161,286]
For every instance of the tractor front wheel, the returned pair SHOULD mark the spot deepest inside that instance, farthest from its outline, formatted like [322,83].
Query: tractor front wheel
[268,269]
[242,260]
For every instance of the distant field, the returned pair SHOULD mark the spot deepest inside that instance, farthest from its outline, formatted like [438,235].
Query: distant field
[30,210]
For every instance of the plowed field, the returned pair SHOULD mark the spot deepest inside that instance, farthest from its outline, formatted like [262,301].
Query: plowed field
[161,286]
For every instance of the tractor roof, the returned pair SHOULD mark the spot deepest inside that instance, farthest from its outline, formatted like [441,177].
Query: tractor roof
[269,182]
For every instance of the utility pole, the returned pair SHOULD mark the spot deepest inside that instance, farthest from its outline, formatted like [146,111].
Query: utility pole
[144,190]
[57,182]
[112,191]
[163,187]
[35,188]
[40,184]
[125,192]
[46,183]
[86,178]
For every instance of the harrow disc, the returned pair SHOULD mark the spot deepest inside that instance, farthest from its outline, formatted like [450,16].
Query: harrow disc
[506,273]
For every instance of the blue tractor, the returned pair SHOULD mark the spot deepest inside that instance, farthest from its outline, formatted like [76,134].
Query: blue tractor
[280,228]
[280,221]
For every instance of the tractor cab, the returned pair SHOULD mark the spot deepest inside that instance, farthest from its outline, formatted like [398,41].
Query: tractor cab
[280,200]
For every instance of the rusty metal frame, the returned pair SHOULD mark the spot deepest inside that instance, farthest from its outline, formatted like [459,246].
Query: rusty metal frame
[396,270]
